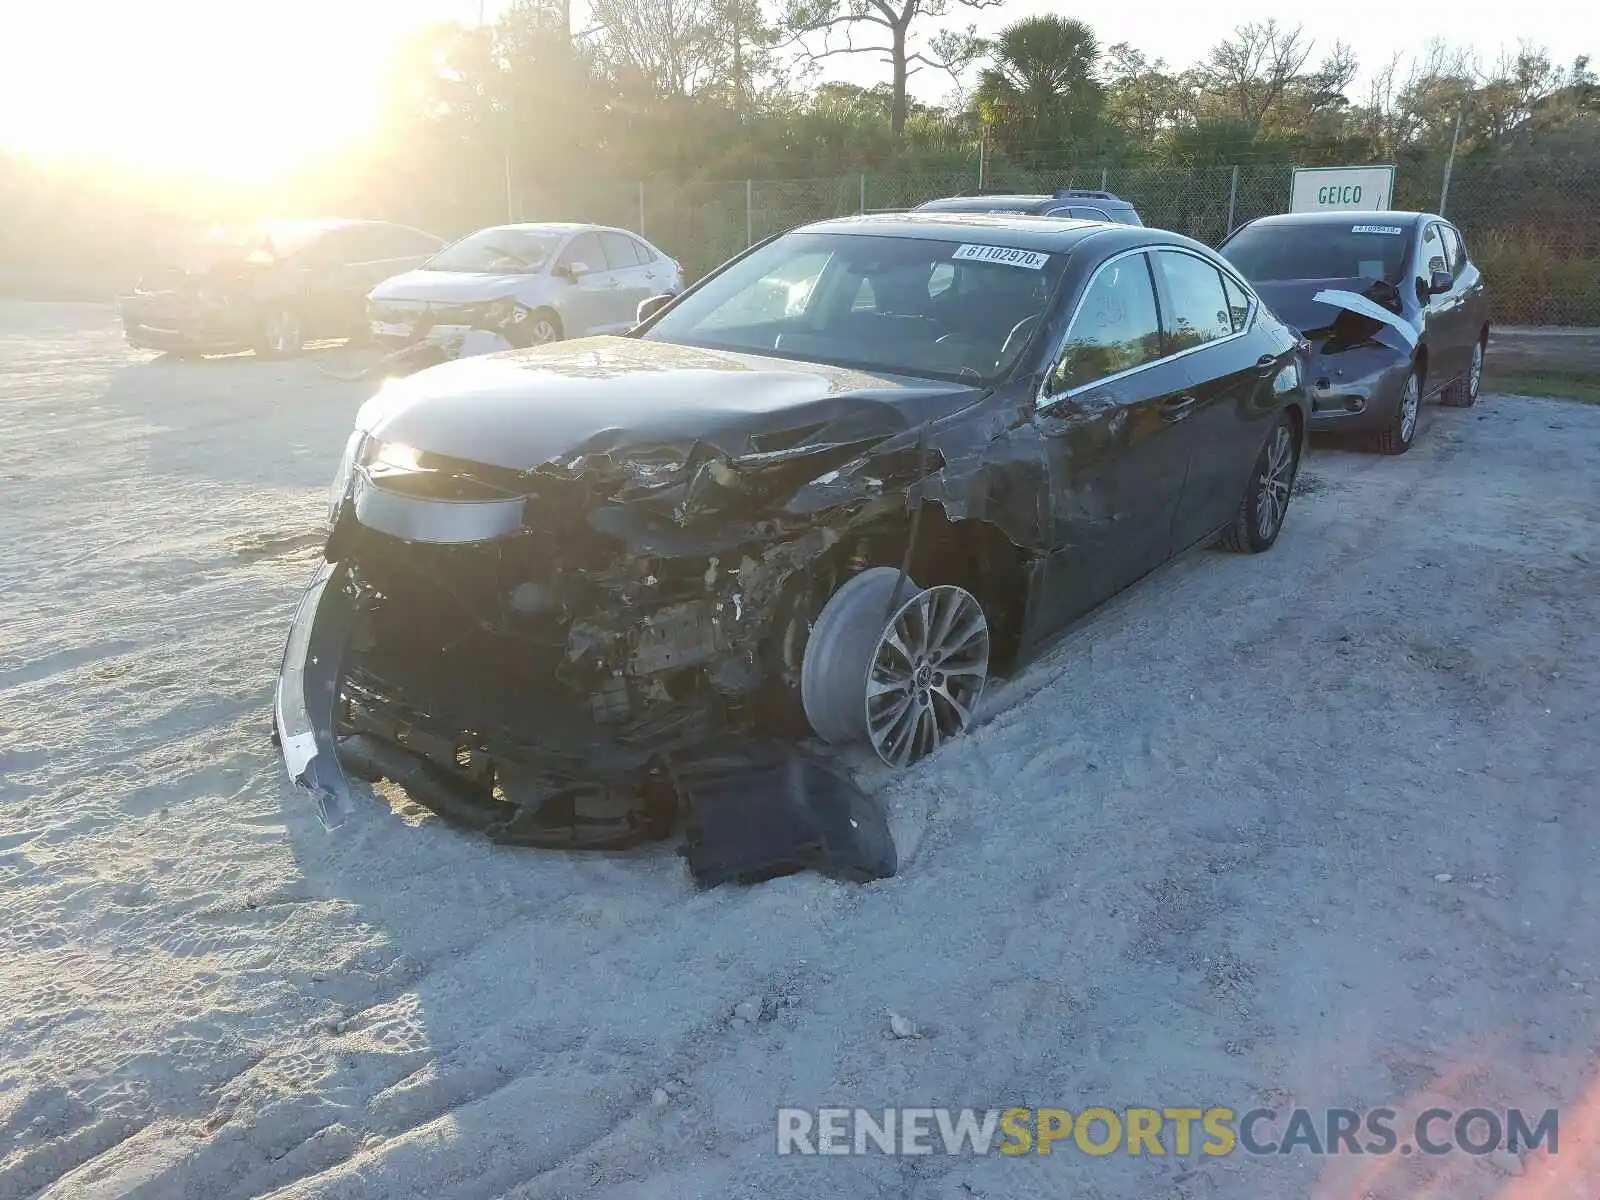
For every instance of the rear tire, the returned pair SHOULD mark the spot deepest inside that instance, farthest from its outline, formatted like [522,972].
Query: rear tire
[1397,436]
[281,335]
[1463,393]
[1265,503]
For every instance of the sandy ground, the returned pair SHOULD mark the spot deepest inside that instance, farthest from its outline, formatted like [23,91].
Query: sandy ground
[1312,828]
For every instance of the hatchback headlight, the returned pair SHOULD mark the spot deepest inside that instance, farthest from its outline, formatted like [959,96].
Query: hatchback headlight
[340,487]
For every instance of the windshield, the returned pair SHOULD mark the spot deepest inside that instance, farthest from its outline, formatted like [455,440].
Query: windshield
[497,252]
[1367,247]
[906,306]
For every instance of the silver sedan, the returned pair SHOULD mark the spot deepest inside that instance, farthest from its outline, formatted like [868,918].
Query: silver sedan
[537,283]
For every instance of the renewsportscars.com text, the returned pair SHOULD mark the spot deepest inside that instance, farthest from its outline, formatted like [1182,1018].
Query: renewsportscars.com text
[1160,1131]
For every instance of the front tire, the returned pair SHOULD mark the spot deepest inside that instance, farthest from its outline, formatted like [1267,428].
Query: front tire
[1397,436]
[543,327]
[1265,503]
[905,679]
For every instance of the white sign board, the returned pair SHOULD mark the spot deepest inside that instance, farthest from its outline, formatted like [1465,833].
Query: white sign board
[1336,189]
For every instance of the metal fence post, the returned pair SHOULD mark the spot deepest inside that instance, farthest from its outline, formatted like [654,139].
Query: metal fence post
[862,208]
[1105,175]
[749,215]
[641,208]
[1449,164]
[1233,196]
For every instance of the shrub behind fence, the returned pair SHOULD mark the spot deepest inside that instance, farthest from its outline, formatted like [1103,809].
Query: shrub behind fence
[1534,230]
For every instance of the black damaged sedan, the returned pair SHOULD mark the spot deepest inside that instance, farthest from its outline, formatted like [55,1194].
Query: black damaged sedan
[826,489]
[1391,302]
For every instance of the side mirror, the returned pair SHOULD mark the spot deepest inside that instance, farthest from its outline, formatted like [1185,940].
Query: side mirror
[1440,281]
[650,306]
[571,272]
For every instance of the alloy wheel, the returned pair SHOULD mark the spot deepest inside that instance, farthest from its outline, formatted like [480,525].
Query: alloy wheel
[1475,375]
[1410,404]
[1277,477]
[927,674]
[283,333]
[542,332]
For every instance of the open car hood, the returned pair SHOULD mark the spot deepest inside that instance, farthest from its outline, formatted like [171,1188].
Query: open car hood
[598,397]
[1337,313]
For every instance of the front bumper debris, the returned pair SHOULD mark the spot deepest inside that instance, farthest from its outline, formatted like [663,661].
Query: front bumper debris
[306,707]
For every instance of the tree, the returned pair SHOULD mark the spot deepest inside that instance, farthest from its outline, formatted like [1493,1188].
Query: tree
[1248,75]
[1040,88]
[892,22]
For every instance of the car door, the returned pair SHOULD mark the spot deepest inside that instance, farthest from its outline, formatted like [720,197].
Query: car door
[1474,298]
[585,298]
[1205,322]
[1445,315]
[625,257]
[1116,454]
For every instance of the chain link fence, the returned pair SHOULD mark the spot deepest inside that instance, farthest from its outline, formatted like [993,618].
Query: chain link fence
[1535,231]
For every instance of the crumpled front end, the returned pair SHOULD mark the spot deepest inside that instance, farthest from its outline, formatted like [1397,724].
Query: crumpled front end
[528,633]
[1361,349]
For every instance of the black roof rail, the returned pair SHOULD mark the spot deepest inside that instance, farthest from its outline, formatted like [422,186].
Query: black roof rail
[1083,193]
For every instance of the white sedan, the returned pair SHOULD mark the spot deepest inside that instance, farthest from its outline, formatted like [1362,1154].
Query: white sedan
[537,283]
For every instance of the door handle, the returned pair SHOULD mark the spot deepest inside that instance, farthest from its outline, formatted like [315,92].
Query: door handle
[1177,408]
[1265,364]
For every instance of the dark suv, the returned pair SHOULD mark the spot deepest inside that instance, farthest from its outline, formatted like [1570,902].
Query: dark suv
[1084,204]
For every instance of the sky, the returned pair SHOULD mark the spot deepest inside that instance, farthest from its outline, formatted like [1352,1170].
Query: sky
[241,88]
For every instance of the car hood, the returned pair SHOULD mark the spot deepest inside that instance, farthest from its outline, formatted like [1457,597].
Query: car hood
[603,397]
[1329,325]
[450,287]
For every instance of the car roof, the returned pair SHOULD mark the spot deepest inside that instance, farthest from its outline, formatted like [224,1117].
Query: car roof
[1021,202]
[1343,217]
[556,227]
[1020,230]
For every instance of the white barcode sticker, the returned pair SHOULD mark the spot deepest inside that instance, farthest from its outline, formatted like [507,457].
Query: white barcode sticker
[1391,229]
[1032,260]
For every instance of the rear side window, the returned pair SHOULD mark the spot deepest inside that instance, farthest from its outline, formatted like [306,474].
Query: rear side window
[621,250]
[1116,327]
[1238,303]
[1200,311]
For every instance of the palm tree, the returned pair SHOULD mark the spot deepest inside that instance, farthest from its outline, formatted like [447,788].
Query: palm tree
[1040,91]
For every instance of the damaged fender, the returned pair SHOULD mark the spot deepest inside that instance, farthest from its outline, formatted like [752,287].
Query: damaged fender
[305,708]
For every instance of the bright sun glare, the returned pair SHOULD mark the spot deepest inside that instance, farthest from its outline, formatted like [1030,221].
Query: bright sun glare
[214,86]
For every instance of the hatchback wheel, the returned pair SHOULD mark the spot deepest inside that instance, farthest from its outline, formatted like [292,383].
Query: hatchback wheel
[905,678]
[281,336]
[1463,393]
[1265,503]
[1397,436]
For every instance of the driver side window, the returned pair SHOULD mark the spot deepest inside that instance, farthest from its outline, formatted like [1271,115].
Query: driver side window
[584,251]
[1116,327]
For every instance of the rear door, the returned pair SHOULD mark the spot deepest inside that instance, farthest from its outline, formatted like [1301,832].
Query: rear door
[627,260]
[1205,322]
[1116,455]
